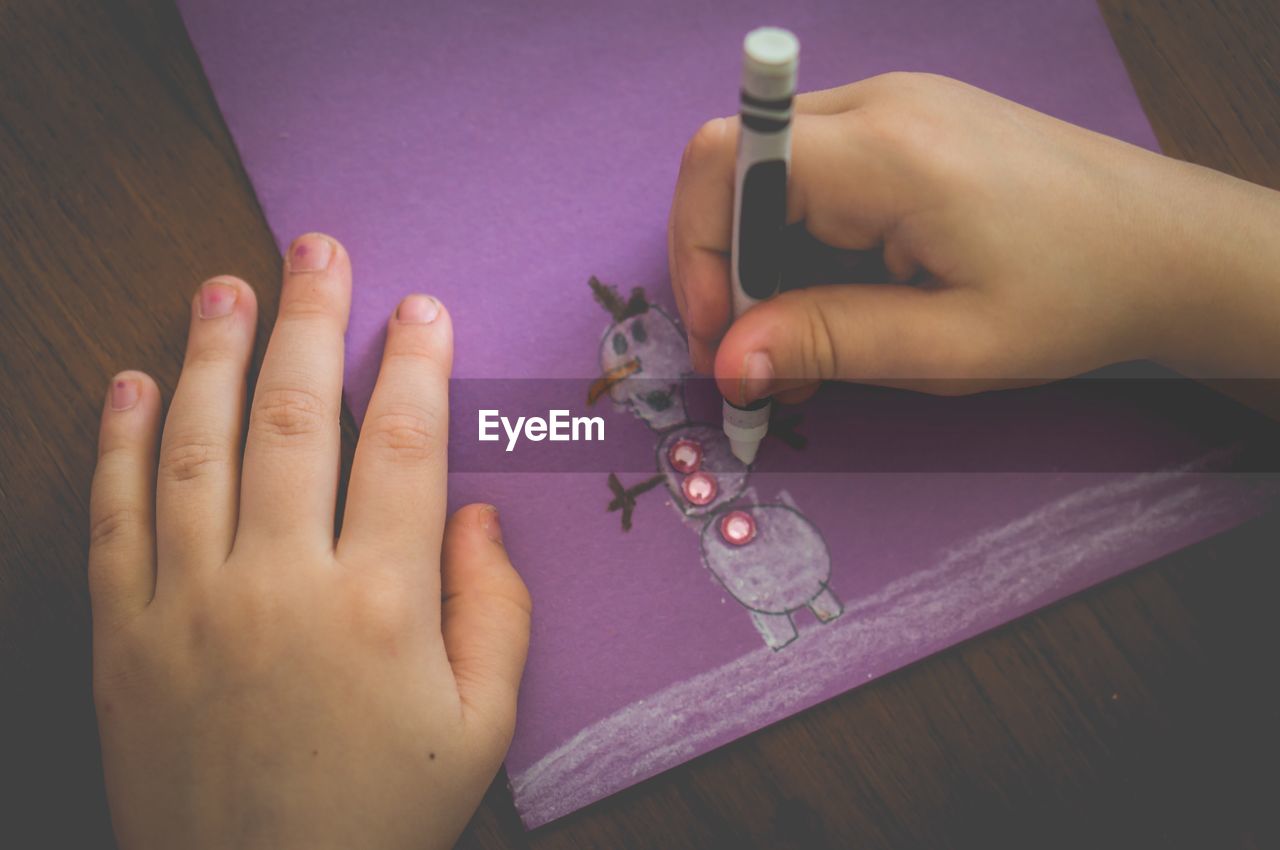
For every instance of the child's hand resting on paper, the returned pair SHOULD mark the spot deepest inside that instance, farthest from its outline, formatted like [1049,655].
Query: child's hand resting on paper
[258,683]
[1035,250]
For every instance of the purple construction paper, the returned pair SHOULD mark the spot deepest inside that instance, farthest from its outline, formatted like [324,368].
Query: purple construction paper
[496,154]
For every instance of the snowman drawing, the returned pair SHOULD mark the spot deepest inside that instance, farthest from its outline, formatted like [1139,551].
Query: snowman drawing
[767,555]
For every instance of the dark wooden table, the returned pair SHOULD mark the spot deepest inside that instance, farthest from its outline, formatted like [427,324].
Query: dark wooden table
[1140,714]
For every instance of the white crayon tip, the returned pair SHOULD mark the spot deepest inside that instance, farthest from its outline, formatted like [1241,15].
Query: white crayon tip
[744,450]
[745,427]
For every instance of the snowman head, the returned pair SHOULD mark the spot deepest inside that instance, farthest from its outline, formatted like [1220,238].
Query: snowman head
[643,358]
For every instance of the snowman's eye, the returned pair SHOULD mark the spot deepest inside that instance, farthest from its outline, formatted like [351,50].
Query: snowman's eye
[638,332]
[619,344]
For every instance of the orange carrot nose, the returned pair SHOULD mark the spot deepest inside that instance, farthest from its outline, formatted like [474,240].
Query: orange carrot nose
[605,382]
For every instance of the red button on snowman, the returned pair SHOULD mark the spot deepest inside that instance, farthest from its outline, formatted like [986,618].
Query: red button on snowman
[768,556]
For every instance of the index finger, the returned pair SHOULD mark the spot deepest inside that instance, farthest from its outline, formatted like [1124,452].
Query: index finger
[701,221]
[698,233]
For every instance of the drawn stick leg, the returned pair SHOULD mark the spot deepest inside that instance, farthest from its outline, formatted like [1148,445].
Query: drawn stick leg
[825,606]
[776,629]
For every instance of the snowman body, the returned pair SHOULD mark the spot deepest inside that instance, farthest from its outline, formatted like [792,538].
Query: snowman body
[768,557]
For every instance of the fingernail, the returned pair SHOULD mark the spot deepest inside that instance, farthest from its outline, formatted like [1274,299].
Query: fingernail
[124,393]
[492,528]
[418,310]
[216,299]
[310,253]
[757,375]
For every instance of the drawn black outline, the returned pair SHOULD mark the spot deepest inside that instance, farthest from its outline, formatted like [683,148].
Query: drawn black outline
[604,340]
[708,528]
[694,511]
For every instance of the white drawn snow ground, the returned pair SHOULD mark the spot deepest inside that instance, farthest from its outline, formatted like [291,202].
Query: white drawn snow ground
[1010,568]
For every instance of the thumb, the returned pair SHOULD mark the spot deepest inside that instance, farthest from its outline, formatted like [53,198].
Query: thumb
[890,335]
[485,612]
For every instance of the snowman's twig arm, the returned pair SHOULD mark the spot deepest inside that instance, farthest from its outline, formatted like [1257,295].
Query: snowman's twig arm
[624,499]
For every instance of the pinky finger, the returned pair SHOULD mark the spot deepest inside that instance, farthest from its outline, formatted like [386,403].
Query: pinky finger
[122,505]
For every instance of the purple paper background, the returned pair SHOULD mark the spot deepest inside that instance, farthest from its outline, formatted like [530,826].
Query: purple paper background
[495,154]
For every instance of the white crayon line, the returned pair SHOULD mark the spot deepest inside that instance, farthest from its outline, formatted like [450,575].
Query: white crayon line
[1002,572]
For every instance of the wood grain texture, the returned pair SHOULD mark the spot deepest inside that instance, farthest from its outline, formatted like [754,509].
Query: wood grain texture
[1140,714]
